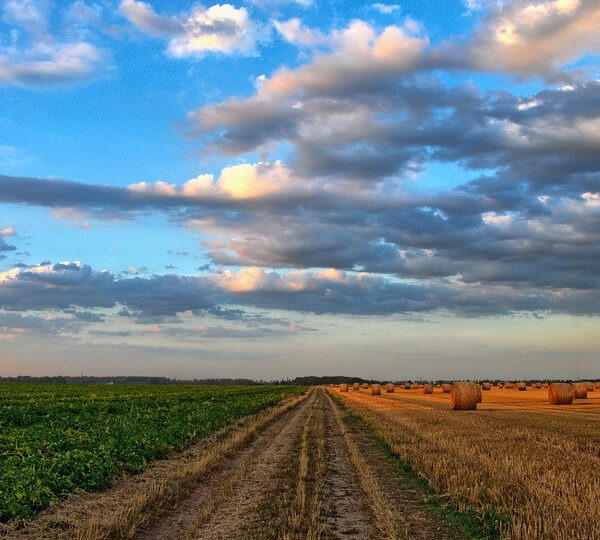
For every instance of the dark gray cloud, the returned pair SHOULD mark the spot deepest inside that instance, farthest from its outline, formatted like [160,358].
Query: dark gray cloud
[4,246]
[14,322]
[70,285]
[159,299]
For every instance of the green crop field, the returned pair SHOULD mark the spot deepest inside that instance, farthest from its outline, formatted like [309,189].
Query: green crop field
[56,439]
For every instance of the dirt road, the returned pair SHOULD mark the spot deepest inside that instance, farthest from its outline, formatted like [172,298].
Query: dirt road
[306,470]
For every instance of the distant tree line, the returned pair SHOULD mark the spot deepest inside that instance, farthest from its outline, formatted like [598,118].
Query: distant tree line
[310,380]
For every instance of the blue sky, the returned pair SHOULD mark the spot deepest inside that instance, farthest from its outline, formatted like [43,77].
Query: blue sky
[271,189]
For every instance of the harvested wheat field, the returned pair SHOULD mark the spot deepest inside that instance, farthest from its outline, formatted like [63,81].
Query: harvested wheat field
[532,467]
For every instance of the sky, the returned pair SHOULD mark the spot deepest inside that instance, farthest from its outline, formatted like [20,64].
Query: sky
[276,188]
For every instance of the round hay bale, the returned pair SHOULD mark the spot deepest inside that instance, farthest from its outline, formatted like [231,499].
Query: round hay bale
[343,387]
[579,390]
[479,393]
[508,386]
[427,389]
[446,388]
[560,394]
[364,386]
[486,386]
[375,389]
[597,385]
[521,386]
[589,386]
[414,386]
[538,385]
[544,385]
[463,396]
[355,386]
[390,388]
[407,386]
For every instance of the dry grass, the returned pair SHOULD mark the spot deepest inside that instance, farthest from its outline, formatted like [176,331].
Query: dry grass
[305,516]
[473,459]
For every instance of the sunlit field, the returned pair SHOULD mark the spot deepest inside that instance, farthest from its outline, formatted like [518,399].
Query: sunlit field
[531,467]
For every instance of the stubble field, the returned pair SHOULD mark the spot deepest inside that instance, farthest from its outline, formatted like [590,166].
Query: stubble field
[532,468]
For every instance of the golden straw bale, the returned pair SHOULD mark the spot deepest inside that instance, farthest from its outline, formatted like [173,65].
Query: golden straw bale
[343,387]
[427,389]
[414,386]
[463,396]
[479,393]
[580,390]
[521,386]
[560,393]
[589,386]
[375,389]
[446,388]
[538,385]
[364,386]
[389,388]
[407,386]
[508,386]
[486,386]
[355,386]
[544,385]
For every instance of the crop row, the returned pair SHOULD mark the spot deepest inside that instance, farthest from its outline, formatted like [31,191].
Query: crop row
[57,439]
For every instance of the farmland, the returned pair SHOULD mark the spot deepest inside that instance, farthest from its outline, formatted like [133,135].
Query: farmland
[531,468]
[334,464]
[56,439]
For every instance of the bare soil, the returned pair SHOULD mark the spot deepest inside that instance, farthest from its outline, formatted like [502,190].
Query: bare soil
[306,470]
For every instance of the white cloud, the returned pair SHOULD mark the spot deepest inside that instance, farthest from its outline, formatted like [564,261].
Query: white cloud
[34,56]
[358,55]
[144,17]
[29,14]
[221,28]
[527,38]
[385,9]
[52,63]
[293,31]
[11,157]
[240,182]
